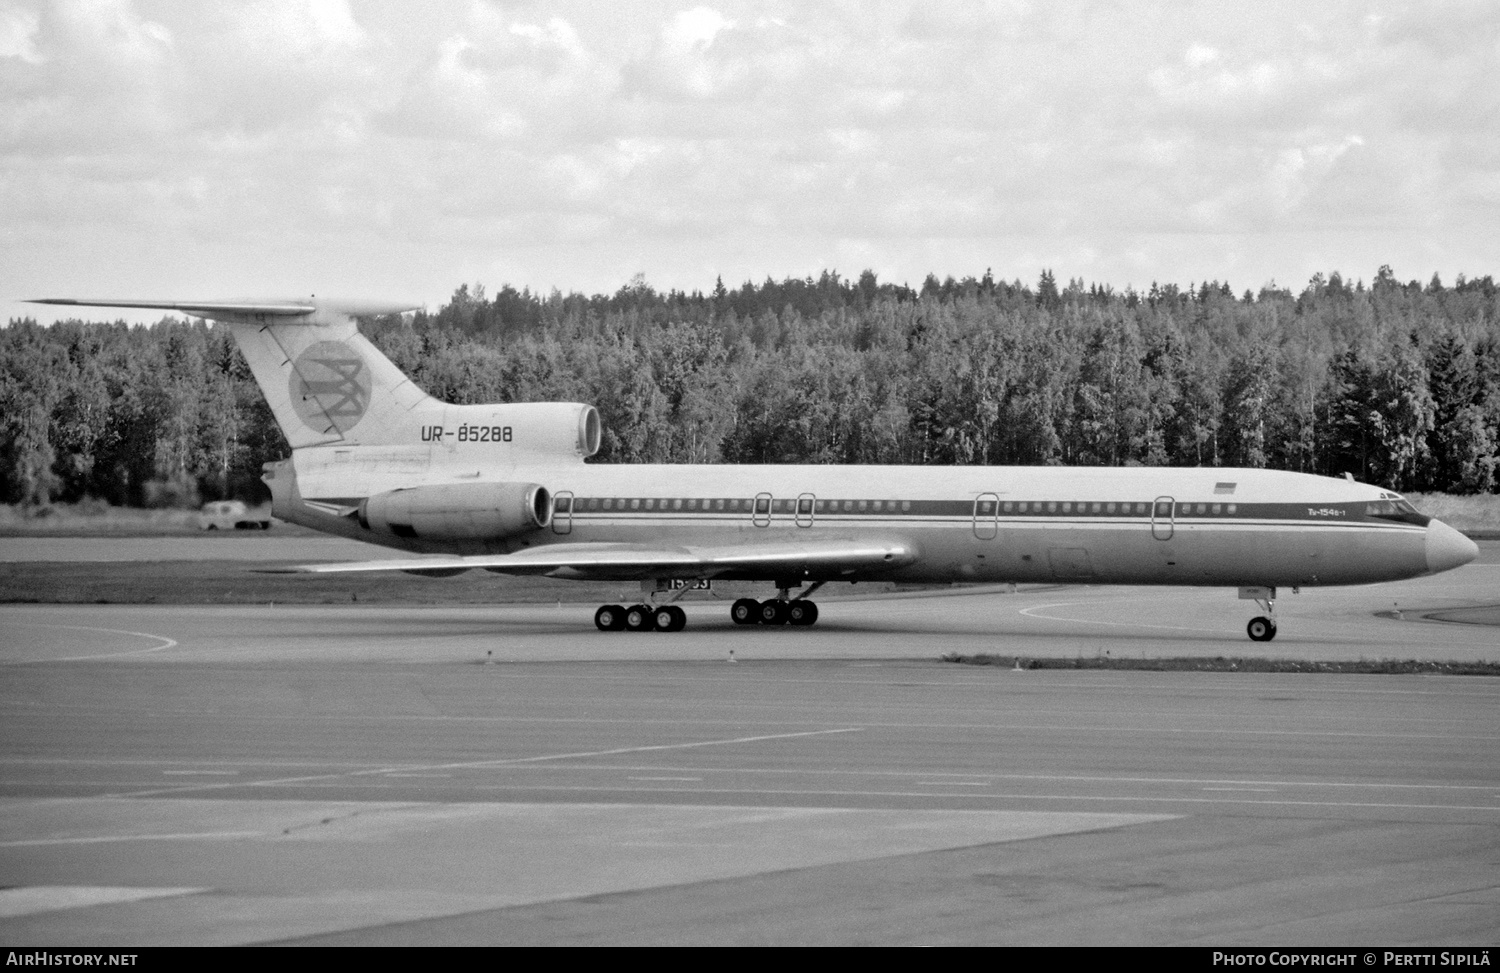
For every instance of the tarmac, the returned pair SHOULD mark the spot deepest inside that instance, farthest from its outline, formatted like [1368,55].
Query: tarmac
[406,774]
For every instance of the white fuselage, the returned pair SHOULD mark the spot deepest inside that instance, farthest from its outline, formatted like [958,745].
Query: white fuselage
[1235,527]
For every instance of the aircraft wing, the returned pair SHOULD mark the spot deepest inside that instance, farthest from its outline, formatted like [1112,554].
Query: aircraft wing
[629,562]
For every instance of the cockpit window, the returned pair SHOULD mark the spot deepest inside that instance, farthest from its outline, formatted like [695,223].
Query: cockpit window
[1396,509]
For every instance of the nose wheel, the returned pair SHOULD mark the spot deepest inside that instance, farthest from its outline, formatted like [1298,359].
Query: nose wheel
[1262,628]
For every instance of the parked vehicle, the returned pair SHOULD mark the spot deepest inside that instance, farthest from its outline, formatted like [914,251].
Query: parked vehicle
[230,515]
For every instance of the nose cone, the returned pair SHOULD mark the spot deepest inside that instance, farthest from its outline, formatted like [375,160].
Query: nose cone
[1447,548]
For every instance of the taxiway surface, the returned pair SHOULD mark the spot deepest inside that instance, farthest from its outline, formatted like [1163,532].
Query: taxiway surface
[361,775]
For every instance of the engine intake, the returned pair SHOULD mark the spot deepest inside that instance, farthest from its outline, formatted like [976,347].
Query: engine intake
[459,511]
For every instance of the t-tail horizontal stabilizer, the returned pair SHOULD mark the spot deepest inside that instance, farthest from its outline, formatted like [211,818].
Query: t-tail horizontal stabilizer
[326,384]
[309,309]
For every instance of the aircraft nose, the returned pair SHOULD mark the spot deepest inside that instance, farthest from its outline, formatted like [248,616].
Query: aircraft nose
[1447,548]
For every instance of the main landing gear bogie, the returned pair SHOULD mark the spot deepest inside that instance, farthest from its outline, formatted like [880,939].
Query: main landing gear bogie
[781,610]
[774,611]
[640,618]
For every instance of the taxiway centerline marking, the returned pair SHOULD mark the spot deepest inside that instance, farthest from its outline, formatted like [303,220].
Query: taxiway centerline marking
[103,839]
[480,764]
[166,644]
[930,777]
[970,795]
[1029,613]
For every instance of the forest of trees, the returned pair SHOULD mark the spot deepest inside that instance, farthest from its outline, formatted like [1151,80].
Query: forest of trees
[1396,383]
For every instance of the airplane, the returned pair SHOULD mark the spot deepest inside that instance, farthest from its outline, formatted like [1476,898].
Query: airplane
[506,488]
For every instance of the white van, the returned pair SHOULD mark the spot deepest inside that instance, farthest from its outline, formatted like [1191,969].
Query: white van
[229,515]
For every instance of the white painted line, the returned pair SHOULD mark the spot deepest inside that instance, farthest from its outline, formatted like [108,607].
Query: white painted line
[1000,797]
[200,773]
[447,776]
[1031,613]
[1205,783]
[1251,790]
[663,746]
[481,764]
[166,644]
[51,898]
[106,839]
[686,779]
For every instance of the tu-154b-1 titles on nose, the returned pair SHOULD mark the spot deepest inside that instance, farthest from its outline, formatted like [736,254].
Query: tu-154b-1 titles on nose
[506,487]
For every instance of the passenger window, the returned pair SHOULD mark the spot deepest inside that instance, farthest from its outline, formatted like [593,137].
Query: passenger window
[762,505]
[804,506]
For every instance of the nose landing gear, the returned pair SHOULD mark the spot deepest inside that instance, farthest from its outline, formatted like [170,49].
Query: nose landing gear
[1262,628]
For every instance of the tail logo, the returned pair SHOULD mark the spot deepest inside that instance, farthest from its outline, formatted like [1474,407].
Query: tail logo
[330,387]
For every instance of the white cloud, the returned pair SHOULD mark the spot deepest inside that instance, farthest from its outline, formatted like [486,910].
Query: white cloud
[293,29]
[18,29]
[577,143]
[694,29]
[556,33]
[686,61]
[1200,55]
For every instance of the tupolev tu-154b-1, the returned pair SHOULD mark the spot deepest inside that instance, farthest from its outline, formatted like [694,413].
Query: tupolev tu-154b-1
[507,488]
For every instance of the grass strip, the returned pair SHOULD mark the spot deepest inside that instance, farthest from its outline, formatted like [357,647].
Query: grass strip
[1382,667]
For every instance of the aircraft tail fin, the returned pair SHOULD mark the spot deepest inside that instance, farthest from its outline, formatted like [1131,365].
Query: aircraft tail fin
[325,382]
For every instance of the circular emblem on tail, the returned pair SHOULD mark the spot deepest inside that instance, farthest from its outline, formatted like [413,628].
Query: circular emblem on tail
[330,387]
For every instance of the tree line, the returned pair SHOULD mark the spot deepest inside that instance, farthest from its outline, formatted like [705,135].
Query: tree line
[1395,383]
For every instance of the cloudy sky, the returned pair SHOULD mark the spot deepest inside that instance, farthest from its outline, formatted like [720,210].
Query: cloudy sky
[393,150]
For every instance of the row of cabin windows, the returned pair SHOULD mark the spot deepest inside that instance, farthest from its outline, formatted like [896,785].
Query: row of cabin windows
[761,505]
[805,505]
[1163,509]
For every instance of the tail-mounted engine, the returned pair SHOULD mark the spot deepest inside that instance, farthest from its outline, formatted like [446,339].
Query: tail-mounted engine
[562,429]
[459,511]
